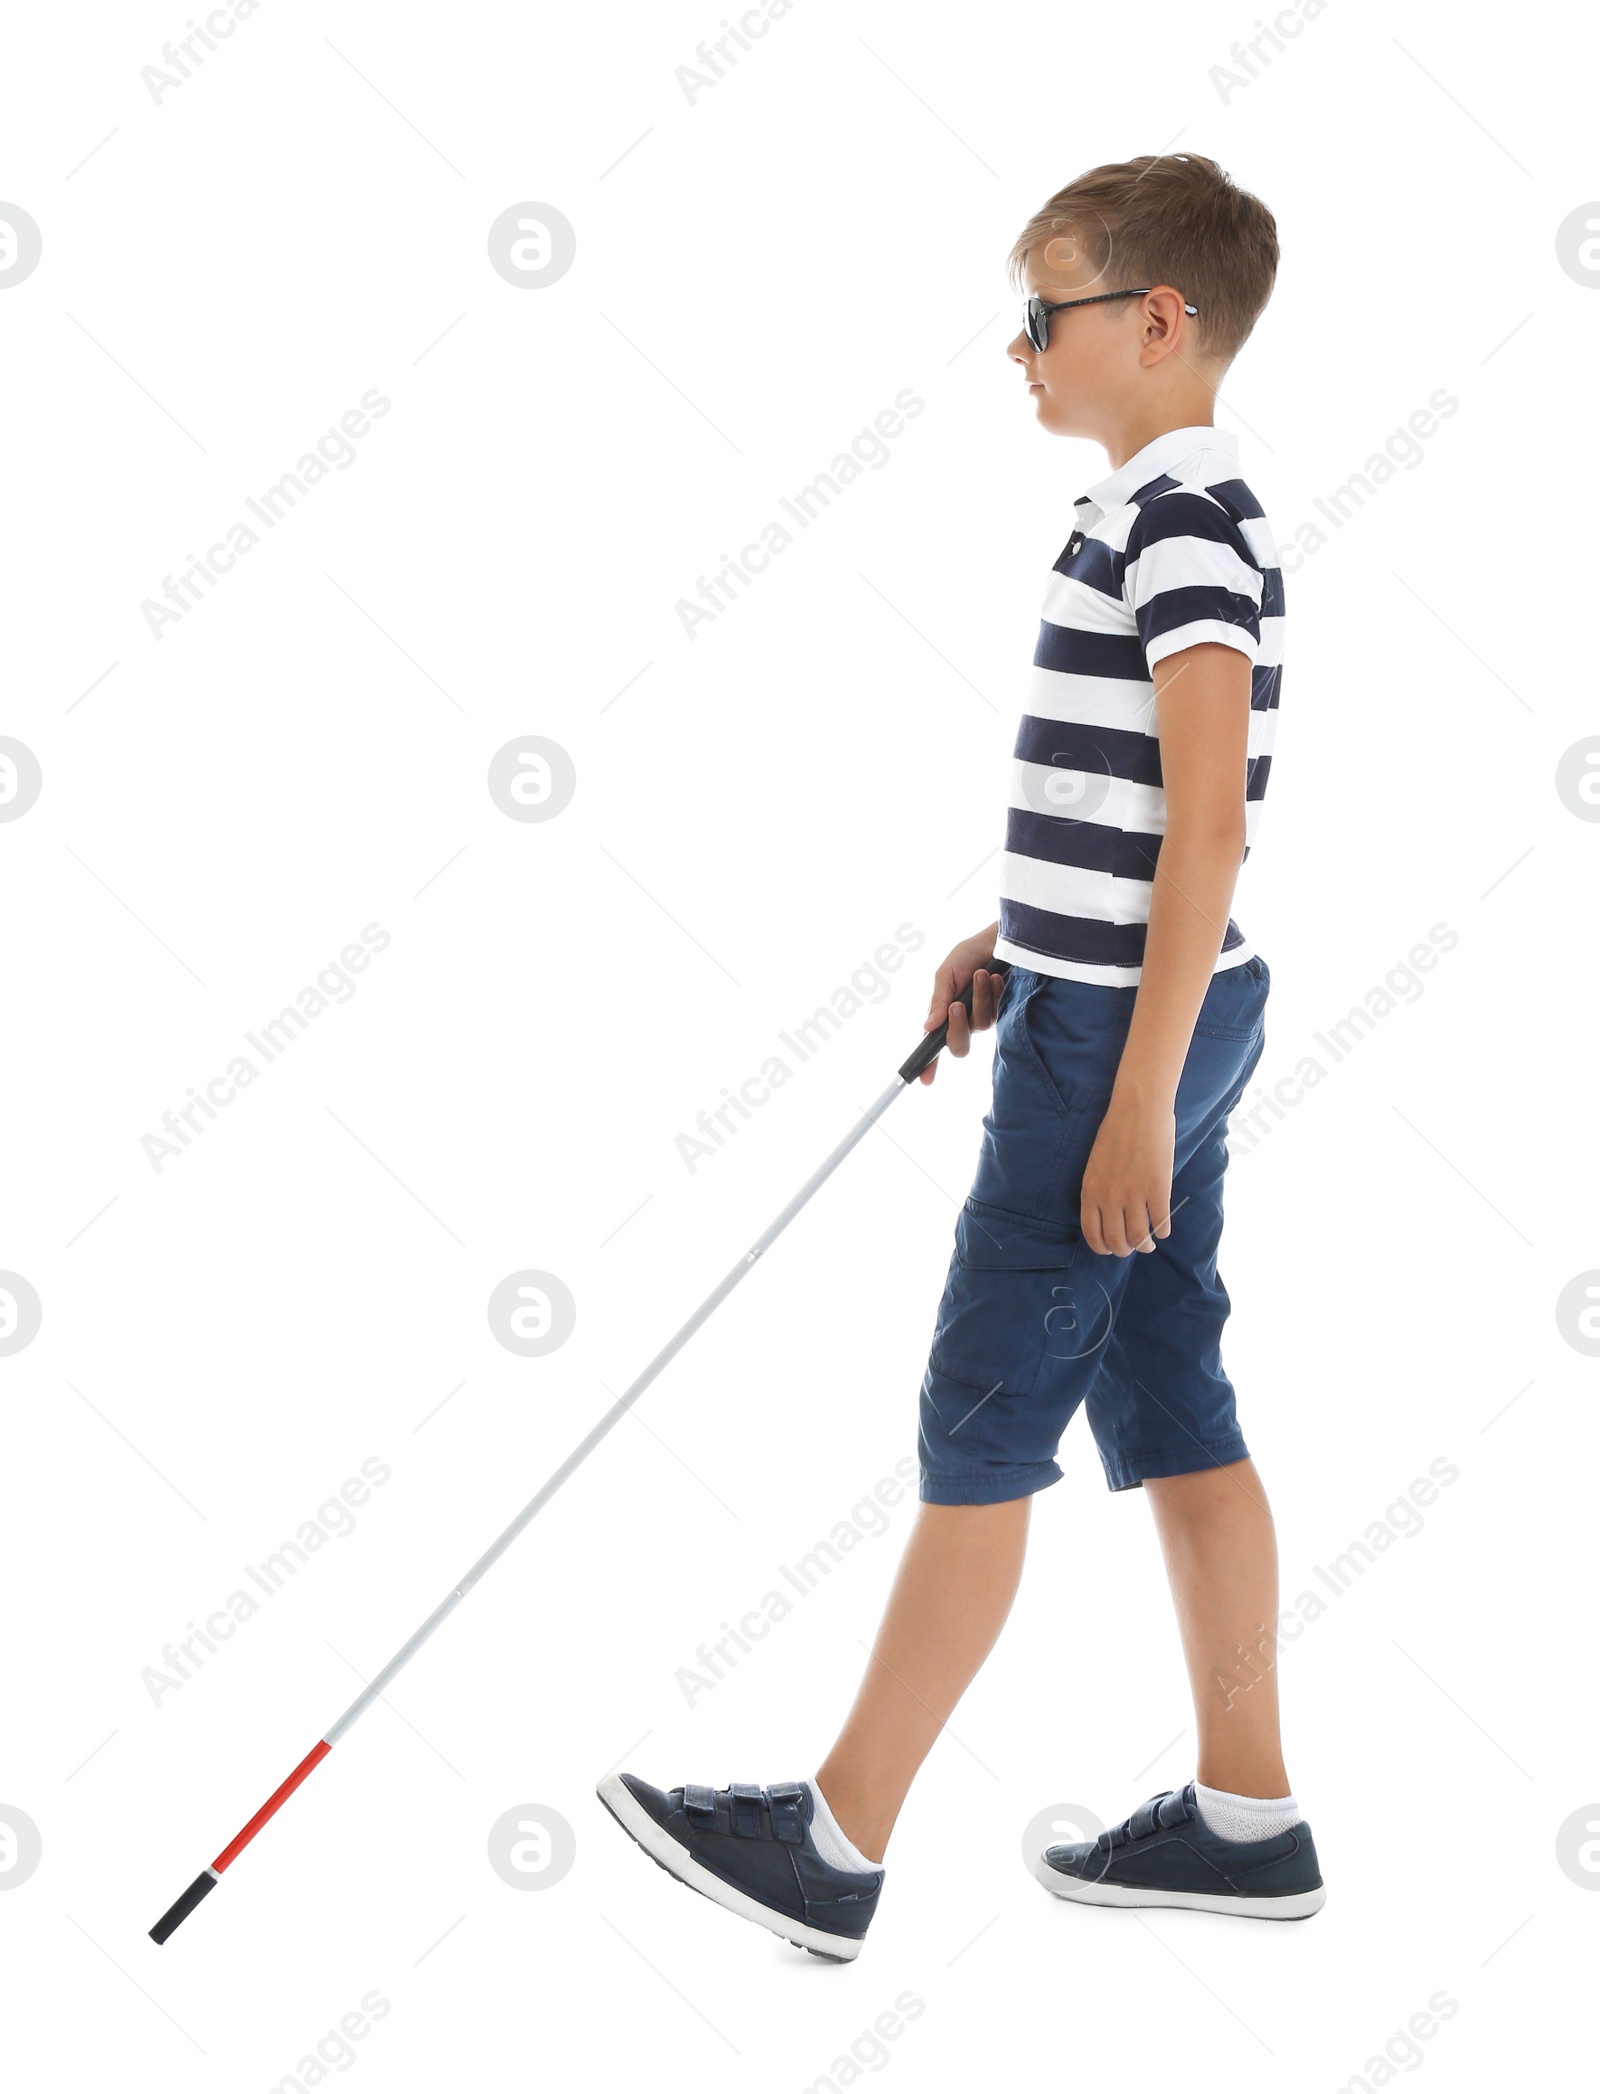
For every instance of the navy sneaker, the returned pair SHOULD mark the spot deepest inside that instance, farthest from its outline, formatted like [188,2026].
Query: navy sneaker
[750,1850]
[1164,1853]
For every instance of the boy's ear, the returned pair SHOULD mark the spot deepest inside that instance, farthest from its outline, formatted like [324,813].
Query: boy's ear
[1161,316]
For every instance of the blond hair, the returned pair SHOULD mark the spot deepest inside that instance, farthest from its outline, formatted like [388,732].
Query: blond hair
[1167,218]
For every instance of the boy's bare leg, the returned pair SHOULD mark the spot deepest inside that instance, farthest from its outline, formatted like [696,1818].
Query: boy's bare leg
[949,1602]
[1222,1564]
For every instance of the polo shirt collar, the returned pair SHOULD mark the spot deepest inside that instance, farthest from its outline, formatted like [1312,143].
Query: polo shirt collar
[1166,453]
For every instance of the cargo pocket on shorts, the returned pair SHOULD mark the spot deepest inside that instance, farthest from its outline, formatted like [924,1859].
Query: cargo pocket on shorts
[1009,1280]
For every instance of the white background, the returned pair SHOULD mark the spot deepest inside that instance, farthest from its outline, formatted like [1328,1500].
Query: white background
[758,274]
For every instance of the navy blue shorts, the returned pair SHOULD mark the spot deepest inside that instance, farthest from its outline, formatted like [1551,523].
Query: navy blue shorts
[1033,1323]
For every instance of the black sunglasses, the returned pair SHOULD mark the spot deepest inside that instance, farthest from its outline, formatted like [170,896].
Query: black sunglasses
[1037,319]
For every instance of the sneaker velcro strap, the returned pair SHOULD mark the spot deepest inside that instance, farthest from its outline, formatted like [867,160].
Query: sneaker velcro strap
[1145,1819]
[784,1802]
[1171,1810]
[744,1808]
[700,1803]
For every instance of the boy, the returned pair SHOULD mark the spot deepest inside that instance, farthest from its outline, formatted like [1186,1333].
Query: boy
[1129,1009]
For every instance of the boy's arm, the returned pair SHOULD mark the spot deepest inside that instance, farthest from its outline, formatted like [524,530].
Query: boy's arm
[967,962]
[1203,720]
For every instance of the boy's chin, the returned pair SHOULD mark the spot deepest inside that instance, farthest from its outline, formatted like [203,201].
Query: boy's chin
[1053,418]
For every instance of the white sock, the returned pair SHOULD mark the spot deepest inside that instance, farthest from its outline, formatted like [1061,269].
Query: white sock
[1245,1817]
[831,1842]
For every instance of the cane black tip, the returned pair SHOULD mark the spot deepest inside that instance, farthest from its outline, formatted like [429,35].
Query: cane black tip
[176,1914]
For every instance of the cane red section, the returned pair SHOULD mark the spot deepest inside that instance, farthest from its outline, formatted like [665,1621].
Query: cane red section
[274,1802]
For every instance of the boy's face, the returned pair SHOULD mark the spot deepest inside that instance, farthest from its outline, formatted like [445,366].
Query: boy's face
[1085,382]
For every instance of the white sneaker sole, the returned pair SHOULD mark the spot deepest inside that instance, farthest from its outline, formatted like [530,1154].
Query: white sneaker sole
[666,1852]
[1300,1905]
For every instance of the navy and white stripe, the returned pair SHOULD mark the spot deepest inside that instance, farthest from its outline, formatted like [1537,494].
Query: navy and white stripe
[1171,551]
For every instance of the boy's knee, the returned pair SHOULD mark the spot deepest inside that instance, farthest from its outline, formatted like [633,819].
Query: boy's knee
[1202,1493]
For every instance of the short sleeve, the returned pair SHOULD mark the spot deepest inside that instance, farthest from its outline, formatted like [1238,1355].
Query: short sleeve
[1188,578]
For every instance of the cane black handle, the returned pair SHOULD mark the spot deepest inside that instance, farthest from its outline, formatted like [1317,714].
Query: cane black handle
[932,1045]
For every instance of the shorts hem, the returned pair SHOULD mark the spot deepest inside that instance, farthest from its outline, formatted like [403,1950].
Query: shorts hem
[1127,1472]
[992,1486]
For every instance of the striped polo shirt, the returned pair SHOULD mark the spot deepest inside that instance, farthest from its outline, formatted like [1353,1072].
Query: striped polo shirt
[1170,551]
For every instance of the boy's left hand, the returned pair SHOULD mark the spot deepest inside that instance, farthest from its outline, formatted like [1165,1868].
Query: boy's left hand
[1127,1187]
